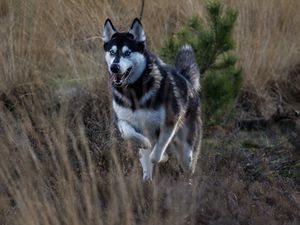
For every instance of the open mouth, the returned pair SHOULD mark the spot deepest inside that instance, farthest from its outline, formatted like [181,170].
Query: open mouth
[118,79]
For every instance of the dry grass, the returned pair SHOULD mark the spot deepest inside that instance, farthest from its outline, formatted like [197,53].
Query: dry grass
[268,46]
[61,160]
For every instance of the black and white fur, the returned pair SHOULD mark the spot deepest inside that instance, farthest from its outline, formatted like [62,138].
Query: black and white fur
[156,105]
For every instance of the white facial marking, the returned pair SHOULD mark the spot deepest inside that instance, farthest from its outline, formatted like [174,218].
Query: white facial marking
[125,63]
[135,60]
[114,48]
[124,49]
[139,64]
[109,58]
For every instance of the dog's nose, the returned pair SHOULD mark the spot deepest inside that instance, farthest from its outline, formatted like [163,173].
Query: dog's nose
[115,68]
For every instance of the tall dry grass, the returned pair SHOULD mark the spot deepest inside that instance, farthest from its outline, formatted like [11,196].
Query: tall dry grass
[60,40]
[61,161]
[268,47]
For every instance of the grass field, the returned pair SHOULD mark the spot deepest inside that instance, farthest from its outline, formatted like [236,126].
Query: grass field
[62,161]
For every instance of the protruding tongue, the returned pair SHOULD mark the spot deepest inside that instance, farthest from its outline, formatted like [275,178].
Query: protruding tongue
[113,77]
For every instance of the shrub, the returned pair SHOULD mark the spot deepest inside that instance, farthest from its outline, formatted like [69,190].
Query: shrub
[213,45]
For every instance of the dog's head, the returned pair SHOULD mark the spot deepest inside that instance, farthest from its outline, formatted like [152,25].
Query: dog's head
[124,53]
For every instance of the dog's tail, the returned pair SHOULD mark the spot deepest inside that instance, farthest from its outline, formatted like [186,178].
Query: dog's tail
[187,66]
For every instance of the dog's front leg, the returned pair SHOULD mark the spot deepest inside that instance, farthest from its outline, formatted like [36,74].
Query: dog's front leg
[165,137]
[129,133]
[146,164]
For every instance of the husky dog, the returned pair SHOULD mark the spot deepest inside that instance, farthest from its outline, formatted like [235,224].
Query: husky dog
[156,105]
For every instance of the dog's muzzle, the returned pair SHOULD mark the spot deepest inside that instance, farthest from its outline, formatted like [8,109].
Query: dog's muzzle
[118,79]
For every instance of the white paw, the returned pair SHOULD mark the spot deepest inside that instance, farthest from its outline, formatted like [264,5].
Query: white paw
[146,164]
[146,144]
[147,176]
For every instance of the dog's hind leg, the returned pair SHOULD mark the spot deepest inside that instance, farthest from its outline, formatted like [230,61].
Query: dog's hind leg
[191,144]
[165,137]
[146,164]
[187,157]
[129,133]
[187,141]
[182,150]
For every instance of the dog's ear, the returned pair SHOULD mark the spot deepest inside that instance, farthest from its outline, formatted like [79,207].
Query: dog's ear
[108,31]
[137,30]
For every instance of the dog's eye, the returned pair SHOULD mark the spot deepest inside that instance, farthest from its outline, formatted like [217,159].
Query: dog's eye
[127,53]
[112,52]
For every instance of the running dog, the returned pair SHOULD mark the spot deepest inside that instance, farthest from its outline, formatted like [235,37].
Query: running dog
[156,105]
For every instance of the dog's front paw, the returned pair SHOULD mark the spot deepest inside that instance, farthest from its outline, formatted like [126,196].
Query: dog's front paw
[147,177]
[145,144]
[146,164]
[141,141]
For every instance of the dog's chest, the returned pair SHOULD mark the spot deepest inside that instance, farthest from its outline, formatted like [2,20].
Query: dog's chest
[147,120]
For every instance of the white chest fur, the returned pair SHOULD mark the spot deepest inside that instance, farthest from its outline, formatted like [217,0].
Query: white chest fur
[145,120]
